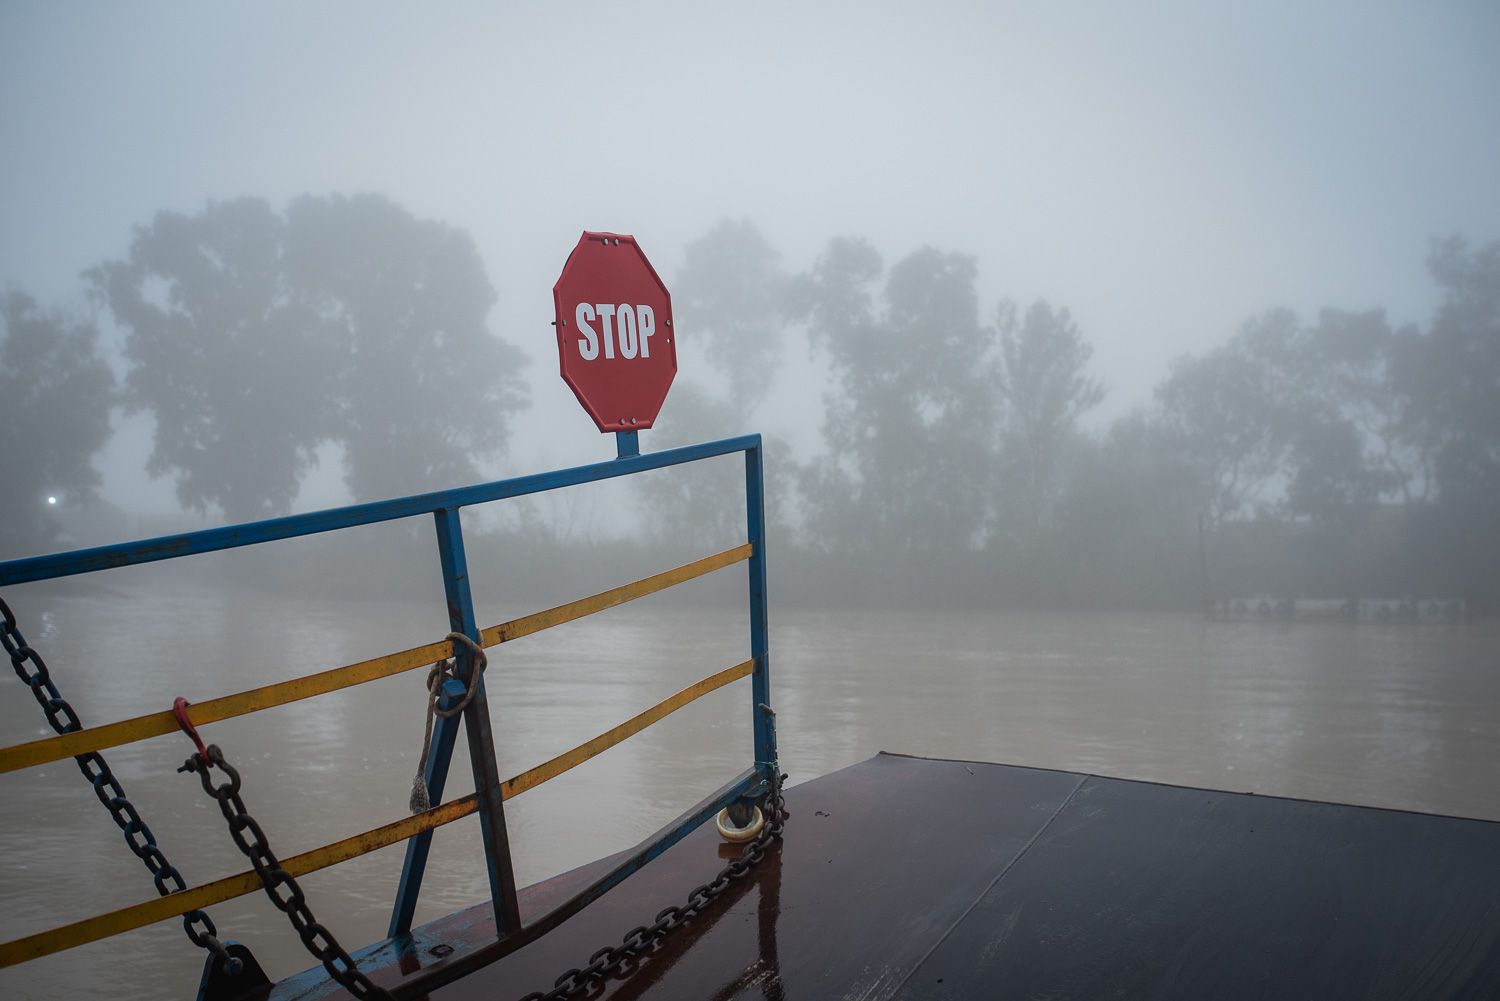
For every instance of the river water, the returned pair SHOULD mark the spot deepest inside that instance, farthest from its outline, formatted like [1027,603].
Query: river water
[1390,715]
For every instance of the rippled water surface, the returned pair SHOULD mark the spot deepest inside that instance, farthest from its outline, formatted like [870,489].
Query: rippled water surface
[1396,715]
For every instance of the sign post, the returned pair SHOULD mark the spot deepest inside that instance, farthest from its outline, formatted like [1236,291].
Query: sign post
[615,343]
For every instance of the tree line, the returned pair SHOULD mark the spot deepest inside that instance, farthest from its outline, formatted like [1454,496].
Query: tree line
[1334,455]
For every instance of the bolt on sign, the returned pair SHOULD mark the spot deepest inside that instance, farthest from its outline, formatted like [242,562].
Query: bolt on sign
[615,342]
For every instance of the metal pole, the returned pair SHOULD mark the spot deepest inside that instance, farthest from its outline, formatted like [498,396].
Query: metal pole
[760,679]
[477,726]
[444,731]
[212,540]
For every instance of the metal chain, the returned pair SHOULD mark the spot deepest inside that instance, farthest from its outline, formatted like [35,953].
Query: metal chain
[280,885]
[32,669]
[612,960]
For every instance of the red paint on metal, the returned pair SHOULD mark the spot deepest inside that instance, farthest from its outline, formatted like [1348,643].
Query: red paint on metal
[616,345]
[179,709]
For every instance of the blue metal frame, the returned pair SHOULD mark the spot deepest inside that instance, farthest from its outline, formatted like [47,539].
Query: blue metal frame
[408,888]
[477,726]
[760,631]
[293,526]
[444,506]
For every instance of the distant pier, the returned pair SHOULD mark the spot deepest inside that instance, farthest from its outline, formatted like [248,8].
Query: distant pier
[1379,610]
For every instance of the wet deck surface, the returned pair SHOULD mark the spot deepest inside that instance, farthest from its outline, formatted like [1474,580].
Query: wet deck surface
[907,878]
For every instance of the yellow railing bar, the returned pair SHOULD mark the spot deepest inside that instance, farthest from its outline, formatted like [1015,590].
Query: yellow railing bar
[537,621]
[139,915]
[97,738]
[161,908]
[551,769]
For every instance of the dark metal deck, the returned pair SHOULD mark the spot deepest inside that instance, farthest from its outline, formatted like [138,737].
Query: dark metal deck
[906,878]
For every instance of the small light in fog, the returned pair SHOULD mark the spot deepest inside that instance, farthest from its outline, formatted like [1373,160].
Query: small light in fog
[51,499]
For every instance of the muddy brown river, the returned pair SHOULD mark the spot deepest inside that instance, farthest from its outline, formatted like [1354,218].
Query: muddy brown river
[1388,715]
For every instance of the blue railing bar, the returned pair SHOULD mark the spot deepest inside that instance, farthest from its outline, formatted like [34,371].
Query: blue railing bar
[444,732]
[747,784]
[476,716]
[763,726]
[210,540]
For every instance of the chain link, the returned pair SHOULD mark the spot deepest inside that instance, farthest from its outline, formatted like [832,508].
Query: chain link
[32,669]
[280,885]
[620,960]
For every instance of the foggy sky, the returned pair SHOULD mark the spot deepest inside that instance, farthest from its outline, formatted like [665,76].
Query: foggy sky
[1163,173]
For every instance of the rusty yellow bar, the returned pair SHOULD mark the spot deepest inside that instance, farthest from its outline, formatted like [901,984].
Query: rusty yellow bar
[161,908]
[554,767]
[139,915]
[97,738]
[537,621]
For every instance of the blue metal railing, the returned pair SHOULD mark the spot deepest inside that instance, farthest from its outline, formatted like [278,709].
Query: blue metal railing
[444,506]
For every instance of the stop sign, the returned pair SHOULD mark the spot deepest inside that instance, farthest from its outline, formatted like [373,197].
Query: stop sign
[614,331]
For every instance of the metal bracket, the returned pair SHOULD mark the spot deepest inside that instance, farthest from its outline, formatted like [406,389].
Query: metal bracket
[218,984]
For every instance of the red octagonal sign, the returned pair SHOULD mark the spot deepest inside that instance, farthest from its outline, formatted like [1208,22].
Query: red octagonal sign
[614,332]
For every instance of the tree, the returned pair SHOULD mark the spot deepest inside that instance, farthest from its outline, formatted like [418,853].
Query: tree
[1450,381]
[55,399]
[908,419]
[1042,382]
[1329,479]
[1126,512]
[731,298]
[423,390]
[1236,410]
[1354,356]
[1451,378]
[701,503]
[254,337]
[1349,447]
[730,303]
[226,353]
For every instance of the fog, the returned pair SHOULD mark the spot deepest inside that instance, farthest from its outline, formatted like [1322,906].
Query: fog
[1074,332]
[1164,176]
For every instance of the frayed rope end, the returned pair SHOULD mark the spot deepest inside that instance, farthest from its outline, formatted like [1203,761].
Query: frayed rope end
[419,800]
